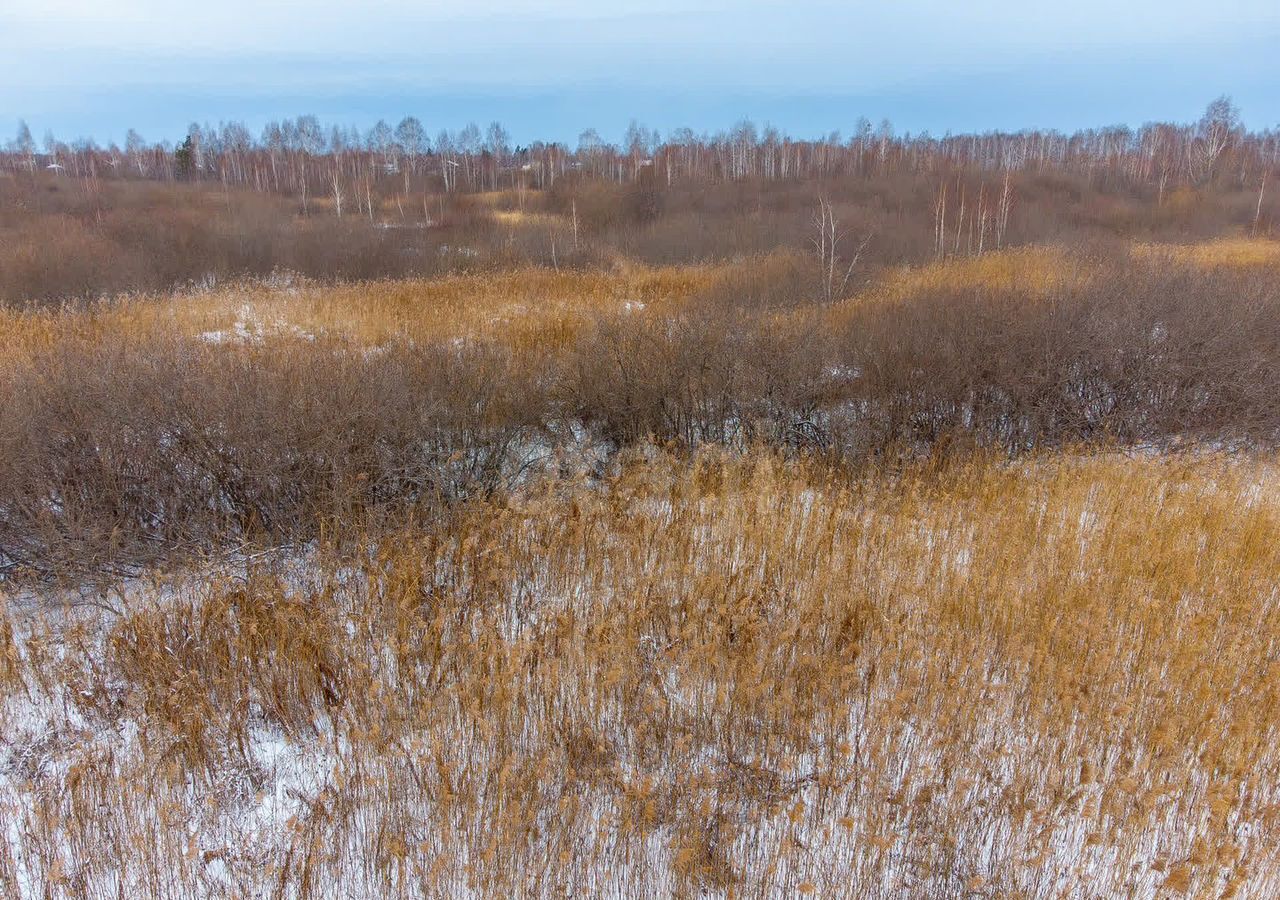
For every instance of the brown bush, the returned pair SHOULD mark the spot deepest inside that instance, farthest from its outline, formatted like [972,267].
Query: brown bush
[119,441]
[1134,353]
[115,449]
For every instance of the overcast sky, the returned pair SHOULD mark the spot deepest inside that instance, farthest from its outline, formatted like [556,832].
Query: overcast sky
[550,69]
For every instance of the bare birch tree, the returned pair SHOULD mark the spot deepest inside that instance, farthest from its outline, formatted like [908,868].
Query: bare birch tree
[827,245]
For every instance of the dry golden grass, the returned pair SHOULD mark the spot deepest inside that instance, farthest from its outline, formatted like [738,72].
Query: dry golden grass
[520,309]
[731,676]
[699,675]
[1223,253]
[520,217]
[1031,270]
[1034,271]
[1038,271]
[540,309]
[499,200]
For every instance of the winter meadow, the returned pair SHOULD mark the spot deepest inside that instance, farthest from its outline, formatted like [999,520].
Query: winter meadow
[393,512]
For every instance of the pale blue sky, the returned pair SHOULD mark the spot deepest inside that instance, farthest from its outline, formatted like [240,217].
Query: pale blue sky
[550,69]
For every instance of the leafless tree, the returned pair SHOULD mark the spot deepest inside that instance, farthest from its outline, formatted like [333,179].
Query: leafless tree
[827,244]
[1257,215]
[1002,215]
[25,146]
[412,138]
[1217,129]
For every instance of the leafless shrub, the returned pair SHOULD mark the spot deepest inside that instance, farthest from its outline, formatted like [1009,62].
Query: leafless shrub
[119,444]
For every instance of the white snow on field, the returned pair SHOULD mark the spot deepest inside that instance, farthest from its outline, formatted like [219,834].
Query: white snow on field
[46,738]
[249,327]
[242,819]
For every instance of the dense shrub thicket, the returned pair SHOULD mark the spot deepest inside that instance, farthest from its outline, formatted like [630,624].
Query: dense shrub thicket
[121,441]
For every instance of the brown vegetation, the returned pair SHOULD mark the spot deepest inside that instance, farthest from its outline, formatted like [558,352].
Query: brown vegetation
[66,238]
[135,429]
[750,518]
[735,676]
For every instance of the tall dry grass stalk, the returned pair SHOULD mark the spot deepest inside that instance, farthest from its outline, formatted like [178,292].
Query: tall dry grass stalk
[727,676]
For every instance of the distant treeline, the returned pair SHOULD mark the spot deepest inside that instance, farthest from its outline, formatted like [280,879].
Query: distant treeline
[85,221]
[302,157]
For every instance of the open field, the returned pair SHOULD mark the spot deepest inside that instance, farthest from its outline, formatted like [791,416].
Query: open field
[630,540]
[740,675]
[858,479]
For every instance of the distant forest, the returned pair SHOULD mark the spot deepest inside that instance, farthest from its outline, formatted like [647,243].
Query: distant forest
[81,220]
[305,158]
